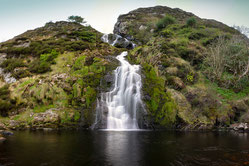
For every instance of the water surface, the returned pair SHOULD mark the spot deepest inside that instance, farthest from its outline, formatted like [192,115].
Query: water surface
[157,148]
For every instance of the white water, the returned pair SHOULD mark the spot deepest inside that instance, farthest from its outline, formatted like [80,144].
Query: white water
[120,106]
[125,98]
[105,38]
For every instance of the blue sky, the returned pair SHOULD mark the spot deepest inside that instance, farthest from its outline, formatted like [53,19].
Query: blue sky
[18,16]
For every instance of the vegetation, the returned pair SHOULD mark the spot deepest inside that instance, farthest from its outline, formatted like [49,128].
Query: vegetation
[165,21]
[191,22]
[227,63]
[6,103]
[77,19]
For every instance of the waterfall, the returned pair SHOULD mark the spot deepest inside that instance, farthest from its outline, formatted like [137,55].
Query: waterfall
[122,103]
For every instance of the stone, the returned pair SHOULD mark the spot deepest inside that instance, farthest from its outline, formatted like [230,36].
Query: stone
[6,133]
[47,129]
[47,117]
[184,107]
[142,27]
[239,127]
[2,139]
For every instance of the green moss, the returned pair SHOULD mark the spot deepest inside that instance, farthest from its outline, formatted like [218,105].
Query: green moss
[160,104]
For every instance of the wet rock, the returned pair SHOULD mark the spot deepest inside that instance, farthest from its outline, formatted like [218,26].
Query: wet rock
[13,124]
[117,41]
[240,127]
[109,78]
[6,133]
[47,129]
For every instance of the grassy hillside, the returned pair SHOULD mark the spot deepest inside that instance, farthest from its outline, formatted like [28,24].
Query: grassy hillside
[58,69]
[195,70]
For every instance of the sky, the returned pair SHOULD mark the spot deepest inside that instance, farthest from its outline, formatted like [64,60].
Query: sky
[18,16]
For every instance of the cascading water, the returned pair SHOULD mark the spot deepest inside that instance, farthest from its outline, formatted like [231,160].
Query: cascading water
[124,100]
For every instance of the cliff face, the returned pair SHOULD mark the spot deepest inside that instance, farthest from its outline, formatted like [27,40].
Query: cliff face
[180,85]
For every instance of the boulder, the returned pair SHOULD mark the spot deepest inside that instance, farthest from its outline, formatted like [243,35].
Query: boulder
[184,107]
[47,117]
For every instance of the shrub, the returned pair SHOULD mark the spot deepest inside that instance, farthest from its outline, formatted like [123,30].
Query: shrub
[164,22]
[10,64]
[228,63]
[191,22]
[39,67]
[49,57]
[6,103]
[167,33]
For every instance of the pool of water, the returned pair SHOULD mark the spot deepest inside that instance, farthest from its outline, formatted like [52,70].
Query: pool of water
[128,148]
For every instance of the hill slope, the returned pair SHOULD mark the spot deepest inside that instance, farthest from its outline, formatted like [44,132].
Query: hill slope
[195,70]
[58,69]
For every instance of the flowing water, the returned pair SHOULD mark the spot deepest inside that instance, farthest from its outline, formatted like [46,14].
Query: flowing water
[124,100]
[125,148]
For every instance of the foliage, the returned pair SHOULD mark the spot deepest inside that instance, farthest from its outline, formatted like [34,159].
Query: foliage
[39,67]
[43,64]
[49,57]
[191,22]
[6,103]
[10,64]
[228,63]
[84,35]
[77,19]
[165,21]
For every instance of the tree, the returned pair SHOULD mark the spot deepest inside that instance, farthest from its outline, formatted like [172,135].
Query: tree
[77,19]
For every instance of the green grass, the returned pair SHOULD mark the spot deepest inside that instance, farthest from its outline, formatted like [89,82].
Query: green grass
[42,108]
[227,94]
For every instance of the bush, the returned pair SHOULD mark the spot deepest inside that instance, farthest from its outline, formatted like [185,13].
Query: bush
[164,22]
[10,64]
[191,22]
[6,103]
[49,57]
[167,33]
[39,67]
[227,63]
